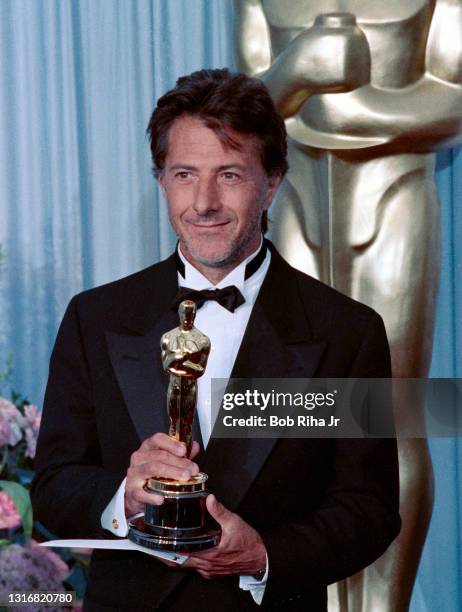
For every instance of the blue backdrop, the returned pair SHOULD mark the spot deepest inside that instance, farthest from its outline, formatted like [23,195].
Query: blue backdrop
[79,207]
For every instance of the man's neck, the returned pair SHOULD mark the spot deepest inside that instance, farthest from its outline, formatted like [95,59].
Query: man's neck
[215,274]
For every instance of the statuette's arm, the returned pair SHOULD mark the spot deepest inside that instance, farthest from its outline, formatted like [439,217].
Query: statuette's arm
[179,363]
[182,360]
[196,362]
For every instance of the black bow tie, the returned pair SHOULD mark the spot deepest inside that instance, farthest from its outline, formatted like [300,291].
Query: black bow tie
[229,297]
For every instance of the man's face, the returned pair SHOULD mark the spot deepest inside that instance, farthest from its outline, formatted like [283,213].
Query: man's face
[216,194]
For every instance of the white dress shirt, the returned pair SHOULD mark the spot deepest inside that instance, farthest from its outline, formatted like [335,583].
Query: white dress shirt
[225,330]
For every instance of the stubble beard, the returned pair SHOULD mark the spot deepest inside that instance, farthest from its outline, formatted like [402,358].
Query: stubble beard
[236,251]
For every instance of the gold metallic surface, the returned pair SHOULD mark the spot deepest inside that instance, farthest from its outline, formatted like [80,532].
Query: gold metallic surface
[167,485]
[369,94]
[185,351]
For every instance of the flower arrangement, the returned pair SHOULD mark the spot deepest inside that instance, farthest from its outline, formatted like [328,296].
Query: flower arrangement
[24,565]
[31,567]
[19,427]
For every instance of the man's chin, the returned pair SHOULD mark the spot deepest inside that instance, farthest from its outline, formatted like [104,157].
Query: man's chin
[214,254]
[212,258]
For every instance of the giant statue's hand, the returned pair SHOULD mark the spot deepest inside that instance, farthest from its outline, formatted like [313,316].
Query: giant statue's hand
[158,456]
[240,551]
[328,57]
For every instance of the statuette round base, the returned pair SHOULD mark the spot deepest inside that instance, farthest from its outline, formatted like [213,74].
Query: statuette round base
[181,522]
[142,534]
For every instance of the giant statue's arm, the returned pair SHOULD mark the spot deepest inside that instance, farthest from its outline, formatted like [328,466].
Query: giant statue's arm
[297,72]
[428,112]
[253,44]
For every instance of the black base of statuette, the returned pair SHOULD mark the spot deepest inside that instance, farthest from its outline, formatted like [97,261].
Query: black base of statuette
[181,523]
[142,534]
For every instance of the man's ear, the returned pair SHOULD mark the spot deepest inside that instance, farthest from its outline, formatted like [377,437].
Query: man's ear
[273,185]
[161,181]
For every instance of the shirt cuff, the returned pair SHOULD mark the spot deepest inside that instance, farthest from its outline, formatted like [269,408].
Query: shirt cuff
[113,518]
[256,587]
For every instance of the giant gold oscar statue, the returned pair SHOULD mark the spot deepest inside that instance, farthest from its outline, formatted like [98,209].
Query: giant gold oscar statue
[369,91]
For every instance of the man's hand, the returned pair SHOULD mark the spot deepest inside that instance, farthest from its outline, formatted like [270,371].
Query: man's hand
[158,456]
[240,551]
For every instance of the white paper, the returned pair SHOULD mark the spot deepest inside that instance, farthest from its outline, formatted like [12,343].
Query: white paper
[122,544]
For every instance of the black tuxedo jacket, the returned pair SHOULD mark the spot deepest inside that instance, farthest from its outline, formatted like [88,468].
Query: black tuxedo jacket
[324,508]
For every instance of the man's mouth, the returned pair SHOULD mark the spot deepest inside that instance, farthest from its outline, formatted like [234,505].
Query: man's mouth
[214,225]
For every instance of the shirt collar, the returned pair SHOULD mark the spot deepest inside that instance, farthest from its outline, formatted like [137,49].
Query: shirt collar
[195,280]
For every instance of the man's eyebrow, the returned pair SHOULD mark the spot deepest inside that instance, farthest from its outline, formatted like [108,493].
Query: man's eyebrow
[182,167]
[231,166]
[222,168]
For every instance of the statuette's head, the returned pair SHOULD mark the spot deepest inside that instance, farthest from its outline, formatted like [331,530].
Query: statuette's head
[187,314]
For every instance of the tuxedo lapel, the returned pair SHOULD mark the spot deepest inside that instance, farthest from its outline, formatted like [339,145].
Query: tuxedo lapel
[142,381]
[135,352]
[278,343]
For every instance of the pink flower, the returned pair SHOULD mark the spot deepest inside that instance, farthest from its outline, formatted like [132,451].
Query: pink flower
[9,517]
[11,423]
[31,441]
[5,430]
[31,428]
[32,416]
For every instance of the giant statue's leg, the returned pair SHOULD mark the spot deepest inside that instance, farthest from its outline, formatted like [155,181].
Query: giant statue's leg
[398,275]
[294,216]
[377,222]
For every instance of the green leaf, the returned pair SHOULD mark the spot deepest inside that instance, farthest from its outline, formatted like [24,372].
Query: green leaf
[21,498]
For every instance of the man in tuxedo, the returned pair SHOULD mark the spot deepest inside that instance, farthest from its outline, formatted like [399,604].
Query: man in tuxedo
[296,514]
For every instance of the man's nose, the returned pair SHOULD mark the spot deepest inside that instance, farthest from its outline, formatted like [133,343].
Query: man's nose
[206,198]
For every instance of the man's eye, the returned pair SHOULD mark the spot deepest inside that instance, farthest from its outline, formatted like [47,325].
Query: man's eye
[231,177]
[183,175]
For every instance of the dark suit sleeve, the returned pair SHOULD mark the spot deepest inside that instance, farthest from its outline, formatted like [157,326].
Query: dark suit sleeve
[358,516]
[71,488]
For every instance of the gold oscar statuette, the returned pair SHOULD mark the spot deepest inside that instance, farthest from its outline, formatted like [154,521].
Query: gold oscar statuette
[180,523]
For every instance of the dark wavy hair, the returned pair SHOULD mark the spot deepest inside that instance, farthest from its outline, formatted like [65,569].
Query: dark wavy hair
[222,100]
